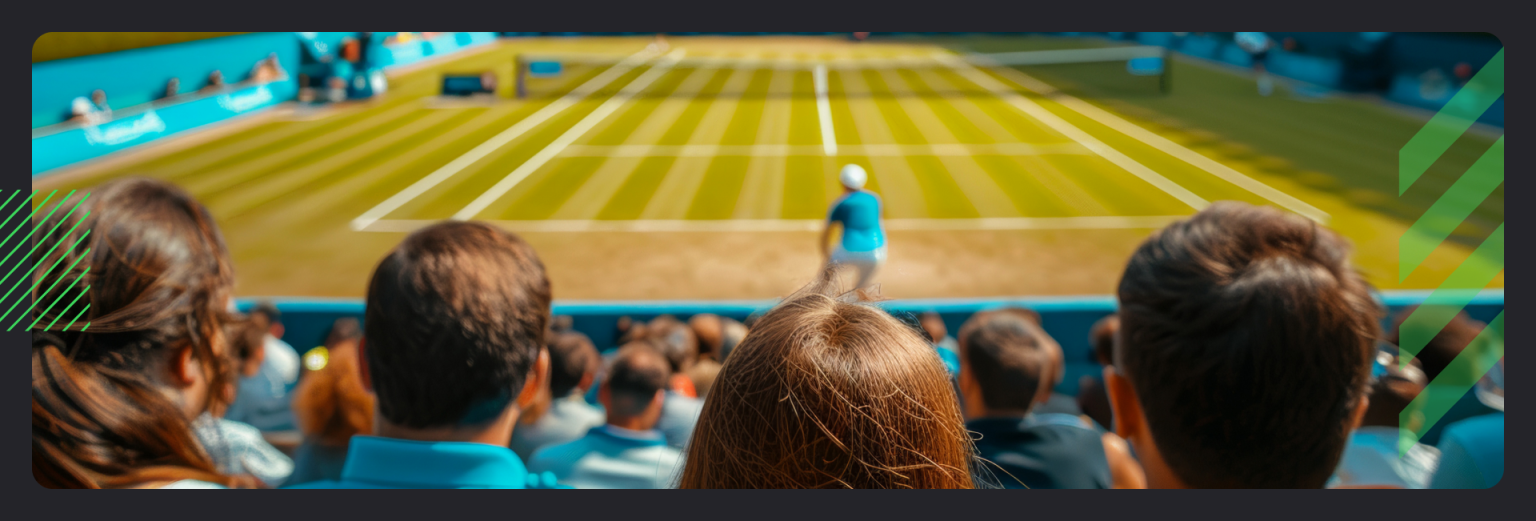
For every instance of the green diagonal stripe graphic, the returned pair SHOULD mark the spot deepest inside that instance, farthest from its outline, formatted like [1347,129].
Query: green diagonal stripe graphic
[1459,376]
[56,282]
[78,315]
[71,304]
[1450,123]
[39,278]
[18,228]
[1448,212]
[1453,295]
[34,246]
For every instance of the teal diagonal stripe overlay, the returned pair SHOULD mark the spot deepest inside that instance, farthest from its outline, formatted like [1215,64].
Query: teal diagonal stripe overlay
[1453,295]
[1450,123]
[1448,212]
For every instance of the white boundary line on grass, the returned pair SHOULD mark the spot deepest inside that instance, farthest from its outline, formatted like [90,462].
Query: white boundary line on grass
[824,111]
[570,136]
[1042,115]
[801,225]
[506,136]
[1167,146]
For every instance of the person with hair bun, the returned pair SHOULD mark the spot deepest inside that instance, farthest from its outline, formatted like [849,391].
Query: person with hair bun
[829,391]
[113,403]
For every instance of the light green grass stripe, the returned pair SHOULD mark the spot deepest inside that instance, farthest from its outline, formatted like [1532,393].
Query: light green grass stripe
[55,302]
[40,276]
[1453,207]
[720,188]
[33,229]
[70,305]
[630,201]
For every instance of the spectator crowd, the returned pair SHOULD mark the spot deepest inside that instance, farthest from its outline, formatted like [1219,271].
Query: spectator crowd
[1247,352]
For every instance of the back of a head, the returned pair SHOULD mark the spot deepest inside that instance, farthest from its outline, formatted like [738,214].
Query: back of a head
[331,405]
[145,265]
[1445,346]
[1009,356]
[675,340]
[571,357]
[933,325]
[1392,392]
[827,392]
[707,328]
[344,330]
[1247,338]
[455,319]
[638,372]
[731,336]
[268,311]
[1102,338]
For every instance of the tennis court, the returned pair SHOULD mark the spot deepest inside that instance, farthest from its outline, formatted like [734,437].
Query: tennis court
[703,170]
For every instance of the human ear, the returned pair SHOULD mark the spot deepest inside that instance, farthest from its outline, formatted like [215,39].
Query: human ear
[1123,404]
[184,367]
[538,377]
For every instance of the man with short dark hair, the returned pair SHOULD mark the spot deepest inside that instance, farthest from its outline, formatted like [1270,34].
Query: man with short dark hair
[452,349]
[573,366]
[1246,340]
[1005,367]
[627,452]
[675,341]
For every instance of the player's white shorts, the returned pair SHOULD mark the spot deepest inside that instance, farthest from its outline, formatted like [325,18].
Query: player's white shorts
[866,262]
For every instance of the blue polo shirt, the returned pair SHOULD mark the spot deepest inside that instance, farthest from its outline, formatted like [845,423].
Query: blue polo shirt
[375,462]
[859,212]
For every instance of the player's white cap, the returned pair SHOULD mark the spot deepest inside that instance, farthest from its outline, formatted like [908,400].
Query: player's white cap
[853,176]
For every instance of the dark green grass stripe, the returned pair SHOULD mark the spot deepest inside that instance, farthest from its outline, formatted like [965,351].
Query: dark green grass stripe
[303,160]
[630,200]
[1028,195]
[903,130]
[717,195]
[804,120]
[638,110]
[563,176]
[1119,191]
[943,108]
[346,171]
[944,198]
[688,121]
[804,188]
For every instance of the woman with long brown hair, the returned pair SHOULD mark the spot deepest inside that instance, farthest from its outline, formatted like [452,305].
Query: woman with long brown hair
[828,391]
[144,268]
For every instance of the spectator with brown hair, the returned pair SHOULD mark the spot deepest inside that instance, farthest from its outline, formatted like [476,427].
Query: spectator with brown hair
[331,406]
[627,451]
[677,344]
[1005,365]
[215,83]
[452,336]
[112,407]
[830,392]
[710,330]
[239,449]
[1246,340]
[574,364]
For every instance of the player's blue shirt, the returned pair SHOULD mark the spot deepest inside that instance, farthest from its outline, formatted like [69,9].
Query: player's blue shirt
[1252,42]
[859,212]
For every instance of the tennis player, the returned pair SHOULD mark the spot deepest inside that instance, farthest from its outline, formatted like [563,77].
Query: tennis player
[858,212]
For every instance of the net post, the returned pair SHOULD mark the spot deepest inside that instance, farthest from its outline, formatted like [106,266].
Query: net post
[1165,80]
[520,76]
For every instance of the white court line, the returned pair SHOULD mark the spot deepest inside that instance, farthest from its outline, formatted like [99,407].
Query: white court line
[802,225]
[506,136]
[570,136]
[772,150]
[1169,147]
[1034,110]
[824,111]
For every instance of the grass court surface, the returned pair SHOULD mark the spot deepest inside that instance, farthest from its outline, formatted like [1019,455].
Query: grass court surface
[703,171]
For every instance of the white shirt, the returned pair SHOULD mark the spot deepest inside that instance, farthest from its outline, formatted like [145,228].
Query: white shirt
[238,448]
[1371,459]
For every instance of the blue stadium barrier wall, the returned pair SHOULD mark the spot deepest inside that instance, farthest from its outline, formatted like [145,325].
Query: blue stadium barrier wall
[138,76]
[1432,90]
[1067,319]
[134,80]
[150,123]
